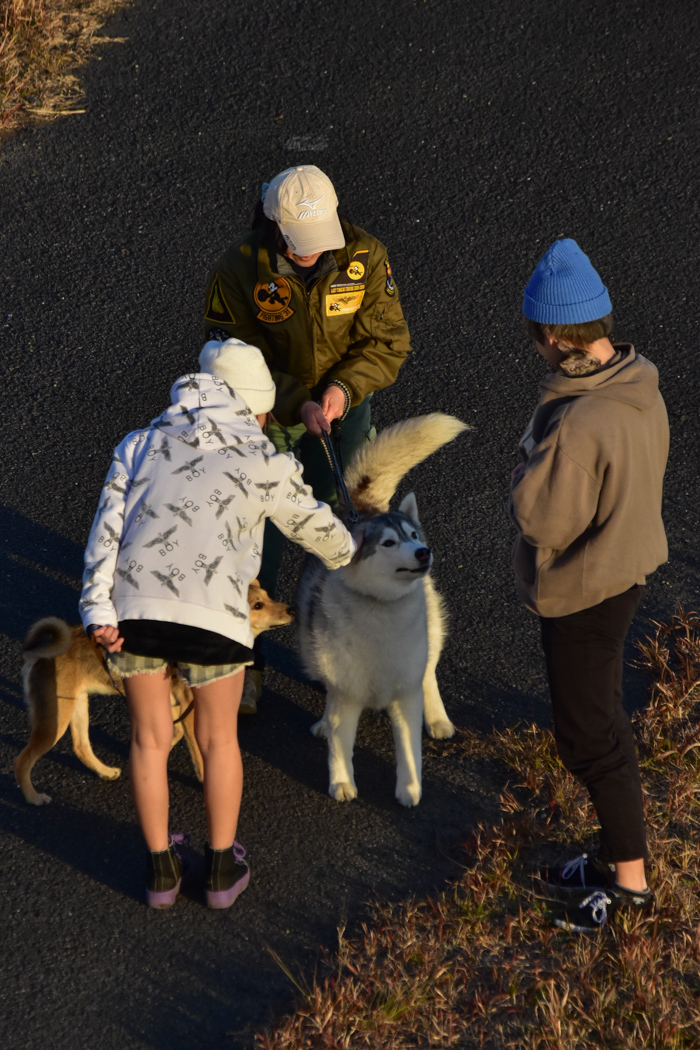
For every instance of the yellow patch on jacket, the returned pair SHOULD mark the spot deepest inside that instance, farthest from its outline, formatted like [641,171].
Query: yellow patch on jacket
[217,307]
[343,304]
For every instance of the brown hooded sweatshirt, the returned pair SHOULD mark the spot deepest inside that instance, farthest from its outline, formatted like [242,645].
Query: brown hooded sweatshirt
[588,504]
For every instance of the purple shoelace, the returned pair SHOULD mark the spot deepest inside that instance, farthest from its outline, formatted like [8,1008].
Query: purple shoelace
[181,839]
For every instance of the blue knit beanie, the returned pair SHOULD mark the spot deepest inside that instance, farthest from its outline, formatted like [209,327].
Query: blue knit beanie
[565,289]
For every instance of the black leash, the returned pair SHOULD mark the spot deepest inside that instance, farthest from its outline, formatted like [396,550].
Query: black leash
[111,676]
[185,713]
[331,443]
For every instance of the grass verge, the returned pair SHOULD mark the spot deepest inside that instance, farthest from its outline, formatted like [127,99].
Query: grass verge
[42,43]
[480,965]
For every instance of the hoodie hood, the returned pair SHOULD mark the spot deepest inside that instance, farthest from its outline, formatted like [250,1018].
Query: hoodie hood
[205,413]
[633,380]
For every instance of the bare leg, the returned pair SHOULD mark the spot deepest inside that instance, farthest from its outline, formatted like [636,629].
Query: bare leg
[148,696]
[630,874]
[216,730]
[181,700]
[405,715]
[191,741]
[176,710]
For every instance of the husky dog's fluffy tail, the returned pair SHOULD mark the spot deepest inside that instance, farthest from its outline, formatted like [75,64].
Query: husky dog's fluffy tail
[376,470]
[46,639]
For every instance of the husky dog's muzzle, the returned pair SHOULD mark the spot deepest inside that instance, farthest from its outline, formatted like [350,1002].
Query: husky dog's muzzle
[424,557]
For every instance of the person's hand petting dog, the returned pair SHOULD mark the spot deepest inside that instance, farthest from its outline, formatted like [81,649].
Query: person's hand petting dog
[358,535]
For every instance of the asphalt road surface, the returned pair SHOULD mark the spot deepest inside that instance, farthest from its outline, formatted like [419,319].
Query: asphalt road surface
[467,136]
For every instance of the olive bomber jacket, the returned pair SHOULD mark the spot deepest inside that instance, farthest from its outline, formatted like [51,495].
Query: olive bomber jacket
[588,503]
[179,530]
[348,325]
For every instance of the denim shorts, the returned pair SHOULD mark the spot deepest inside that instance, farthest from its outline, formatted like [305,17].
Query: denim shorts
[127,665]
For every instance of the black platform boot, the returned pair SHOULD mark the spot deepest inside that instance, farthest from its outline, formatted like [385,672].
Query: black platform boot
[227,875]
[165,870]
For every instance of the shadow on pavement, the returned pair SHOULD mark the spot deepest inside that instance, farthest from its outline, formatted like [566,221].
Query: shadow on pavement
[41,574]
[98,845]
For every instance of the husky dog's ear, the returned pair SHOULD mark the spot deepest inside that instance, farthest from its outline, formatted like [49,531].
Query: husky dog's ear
[409,507]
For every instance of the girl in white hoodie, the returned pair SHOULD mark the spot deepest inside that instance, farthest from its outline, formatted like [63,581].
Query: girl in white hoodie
[174,545]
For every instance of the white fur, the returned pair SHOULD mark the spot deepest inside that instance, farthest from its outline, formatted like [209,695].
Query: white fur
[372,631]
[379,663]
[387,459]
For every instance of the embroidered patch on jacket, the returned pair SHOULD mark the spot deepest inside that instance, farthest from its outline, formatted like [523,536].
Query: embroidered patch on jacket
[356,269]
[273,300]
[347,280]
[346,303]
[390,287]
[217,308]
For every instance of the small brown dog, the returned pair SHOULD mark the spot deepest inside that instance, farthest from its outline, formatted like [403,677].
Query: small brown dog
[62,667]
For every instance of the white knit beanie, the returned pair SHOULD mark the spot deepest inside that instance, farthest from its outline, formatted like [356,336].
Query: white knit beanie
[243,367]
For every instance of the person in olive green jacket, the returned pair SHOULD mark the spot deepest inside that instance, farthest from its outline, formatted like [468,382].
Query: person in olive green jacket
[317,296]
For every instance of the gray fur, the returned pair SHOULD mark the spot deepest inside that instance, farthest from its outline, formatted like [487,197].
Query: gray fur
[364,633]
[374,529]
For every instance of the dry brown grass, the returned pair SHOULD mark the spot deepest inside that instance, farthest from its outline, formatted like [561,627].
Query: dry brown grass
[481,966]
[42,43]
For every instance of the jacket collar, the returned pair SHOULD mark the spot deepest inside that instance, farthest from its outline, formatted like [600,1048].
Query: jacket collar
[557,385]
[270,260]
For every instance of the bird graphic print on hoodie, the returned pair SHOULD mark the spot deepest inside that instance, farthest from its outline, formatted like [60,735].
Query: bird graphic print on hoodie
[179,528]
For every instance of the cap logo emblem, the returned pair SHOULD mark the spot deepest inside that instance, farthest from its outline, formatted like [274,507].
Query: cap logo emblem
[309,204]
[309,209]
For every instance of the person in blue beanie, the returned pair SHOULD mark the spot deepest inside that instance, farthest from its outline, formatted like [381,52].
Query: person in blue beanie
[586,502]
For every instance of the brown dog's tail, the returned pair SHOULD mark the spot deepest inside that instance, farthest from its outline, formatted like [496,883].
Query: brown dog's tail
[47,638]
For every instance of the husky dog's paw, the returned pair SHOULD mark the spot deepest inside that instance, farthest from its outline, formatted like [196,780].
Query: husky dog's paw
[110,773]
[408,794]
[38,799]
[320,728]
[343,792]
[440,729]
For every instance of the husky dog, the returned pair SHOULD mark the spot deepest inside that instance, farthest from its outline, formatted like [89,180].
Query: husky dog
[62,667]
[372,631]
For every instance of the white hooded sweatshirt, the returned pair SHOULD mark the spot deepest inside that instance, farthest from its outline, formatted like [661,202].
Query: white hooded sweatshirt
[179,530]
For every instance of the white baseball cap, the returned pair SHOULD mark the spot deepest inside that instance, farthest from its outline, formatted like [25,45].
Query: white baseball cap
[303,203]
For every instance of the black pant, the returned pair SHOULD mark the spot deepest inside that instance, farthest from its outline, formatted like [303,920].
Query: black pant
[592,731]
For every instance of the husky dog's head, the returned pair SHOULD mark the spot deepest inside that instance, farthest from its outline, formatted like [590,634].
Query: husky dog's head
[393,556]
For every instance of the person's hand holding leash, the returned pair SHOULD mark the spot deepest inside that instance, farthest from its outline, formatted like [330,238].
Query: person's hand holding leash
[317,418]
[333,402]
[314,419]
[108,637]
